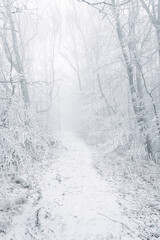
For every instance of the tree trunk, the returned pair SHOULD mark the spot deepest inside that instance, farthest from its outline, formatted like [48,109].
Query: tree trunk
[139,111]
[110,108]
[18,61]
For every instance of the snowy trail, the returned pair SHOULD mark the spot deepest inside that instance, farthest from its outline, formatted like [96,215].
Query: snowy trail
[74,203]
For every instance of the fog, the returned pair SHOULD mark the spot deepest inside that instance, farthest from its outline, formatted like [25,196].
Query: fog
[54,44]
[79,119]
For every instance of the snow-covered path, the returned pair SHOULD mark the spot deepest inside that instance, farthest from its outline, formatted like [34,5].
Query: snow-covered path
[74,202]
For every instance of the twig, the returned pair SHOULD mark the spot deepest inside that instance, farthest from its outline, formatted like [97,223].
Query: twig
[104,3]
[113,220]
[37,218]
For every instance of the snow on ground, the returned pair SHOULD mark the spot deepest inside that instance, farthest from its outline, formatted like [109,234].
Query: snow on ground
[136,185]
[70,201]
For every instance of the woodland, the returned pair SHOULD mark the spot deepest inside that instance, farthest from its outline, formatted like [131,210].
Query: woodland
[79,96]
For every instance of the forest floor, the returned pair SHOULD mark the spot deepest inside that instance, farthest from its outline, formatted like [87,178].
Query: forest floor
[69,200]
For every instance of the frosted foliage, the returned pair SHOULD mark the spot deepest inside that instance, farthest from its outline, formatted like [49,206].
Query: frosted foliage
[79,119]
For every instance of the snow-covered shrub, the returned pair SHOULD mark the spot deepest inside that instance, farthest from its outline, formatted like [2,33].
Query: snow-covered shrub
[21,142]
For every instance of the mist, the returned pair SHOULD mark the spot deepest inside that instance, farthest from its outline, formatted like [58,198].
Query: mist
[79,119]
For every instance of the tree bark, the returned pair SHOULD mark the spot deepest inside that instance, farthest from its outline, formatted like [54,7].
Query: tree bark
[110,108]
[139,111]
[18,61]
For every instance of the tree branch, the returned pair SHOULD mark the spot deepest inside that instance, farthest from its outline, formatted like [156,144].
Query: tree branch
[104,3]
[153,20]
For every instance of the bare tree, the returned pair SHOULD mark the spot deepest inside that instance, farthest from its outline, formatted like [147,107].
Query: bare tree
[14,57]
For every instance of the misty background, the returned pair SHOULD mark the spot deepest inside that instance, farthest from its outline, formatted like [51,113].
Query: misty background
[79,119]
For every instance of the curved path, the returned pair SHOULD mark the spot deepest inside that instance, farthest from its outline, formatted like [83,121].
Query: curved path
[74,202]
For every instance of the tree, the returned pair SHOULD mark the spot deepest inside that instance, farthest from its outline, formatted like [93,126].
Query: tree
[154,15]
[14,58]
